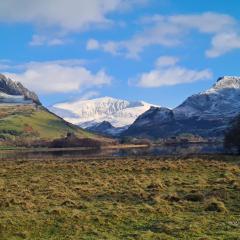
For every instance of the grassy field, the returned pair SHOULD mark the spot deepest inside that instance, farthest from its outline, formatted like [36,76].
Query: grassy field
[134,198]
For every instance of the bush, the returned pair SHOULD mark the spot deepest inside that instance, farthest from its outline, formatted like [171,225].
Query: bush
[232,136]
[194,197]
[72,141]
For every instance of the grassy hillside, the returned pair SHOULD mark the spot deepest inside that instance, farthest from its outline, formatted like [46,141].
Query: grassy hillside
[31,122]
[143,199]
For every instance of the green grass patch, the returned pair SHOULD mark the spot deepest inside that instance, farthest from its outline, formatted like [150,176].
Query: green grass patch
[30,122]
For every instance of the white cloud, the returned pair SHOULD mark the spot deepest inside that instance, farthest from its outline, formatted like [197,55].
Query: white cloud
[68,15]
[110,46]
[54,19]
[208,22]
[171,74]
[169,31]
[92,44]
[166,61]
[59,77]
[38,40]
[223,43]
[162,35]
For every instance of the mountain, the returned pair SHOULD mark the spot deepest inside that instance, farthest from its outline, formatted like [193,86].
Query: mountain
[15,92]
[24,119]
[89,113]
[206,114]
[106,128]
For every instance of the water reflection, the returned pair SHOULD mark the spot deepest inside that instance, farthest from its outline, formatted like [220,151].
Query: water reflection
[183,149]
[152,151]
[12,155]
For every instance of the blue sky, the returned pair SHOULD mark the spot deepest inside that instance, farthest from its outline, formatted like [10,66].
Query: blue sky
[159,51]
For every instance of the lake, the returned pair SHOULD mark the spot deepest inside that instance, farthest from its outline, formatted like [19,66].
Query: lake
[181,149]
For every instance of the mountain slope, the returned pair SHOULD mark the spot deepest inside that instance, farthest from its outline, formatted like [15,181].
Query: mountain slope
[32,122]
[205,114]
[87,113]
[107,129]
[222,99]
[24,119]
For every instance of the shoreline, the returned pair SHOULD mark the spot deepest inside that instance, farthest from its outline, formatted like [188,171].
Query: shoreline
[5,150]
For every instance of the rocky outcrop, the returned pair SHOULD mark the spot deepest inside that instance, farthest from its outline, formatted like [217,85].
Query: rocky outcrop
[15,92]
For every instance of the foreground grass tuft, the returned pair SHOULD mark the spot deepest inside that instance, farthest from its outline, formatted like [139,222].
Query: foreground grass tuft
[215,206]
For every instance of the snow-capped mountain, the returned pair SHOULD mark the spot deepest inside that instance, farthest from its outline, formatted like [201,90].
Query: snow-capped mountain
[15,93]
[88,113]
[206,114]
[222,99]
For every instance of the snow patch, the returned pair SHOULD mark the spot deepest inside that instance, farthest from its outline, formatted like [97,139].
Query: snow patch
[87,113]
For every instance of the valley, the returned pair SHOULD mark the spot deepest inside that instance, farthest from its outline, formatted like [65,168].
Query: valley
[119,120]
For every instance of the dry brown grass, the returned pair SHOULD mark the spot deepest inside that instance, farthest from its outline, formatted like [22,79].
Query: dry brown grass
[132,198]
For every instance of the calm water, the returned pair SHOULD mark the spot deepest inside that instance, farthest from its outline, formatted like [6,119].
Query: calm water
[153,151]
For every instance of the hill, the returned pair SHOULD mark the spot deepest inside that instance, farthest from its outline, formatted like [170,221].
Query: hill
[31,122]
[24,119]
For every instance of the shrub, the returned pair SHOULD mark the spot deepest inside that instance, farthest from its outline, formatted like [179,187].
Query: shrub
[72,141]
[194,197]
[232,136]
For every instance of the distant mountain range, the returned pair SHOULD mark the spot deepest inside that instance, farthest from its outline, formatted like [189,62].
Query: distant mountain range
[96,113]
[206,114]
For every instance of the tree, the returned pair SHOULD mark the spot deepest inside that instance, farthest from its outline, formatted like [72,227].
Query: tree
[71,140]
[232,136]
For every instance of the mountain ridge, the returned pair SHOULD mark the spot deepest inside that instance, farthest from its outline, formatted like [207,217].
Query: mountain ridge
[206,114]
[87,113]
[15,92]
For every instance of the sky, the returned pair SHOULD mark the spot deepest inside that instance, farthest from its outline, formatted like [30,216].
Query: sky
[158,51]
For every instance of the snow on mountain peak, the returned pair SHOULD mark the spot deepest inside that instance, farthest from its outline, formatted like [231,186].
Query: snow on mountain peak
[86,113]
[227,82]
[206,114]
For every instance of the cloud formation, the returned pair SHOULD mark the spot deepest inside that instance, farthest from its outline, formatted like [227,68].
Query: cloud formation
[166,61]
[38,40]
[54,19]
[223,43]
[170,31]
[59,77]
[168,73]
[67,15]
